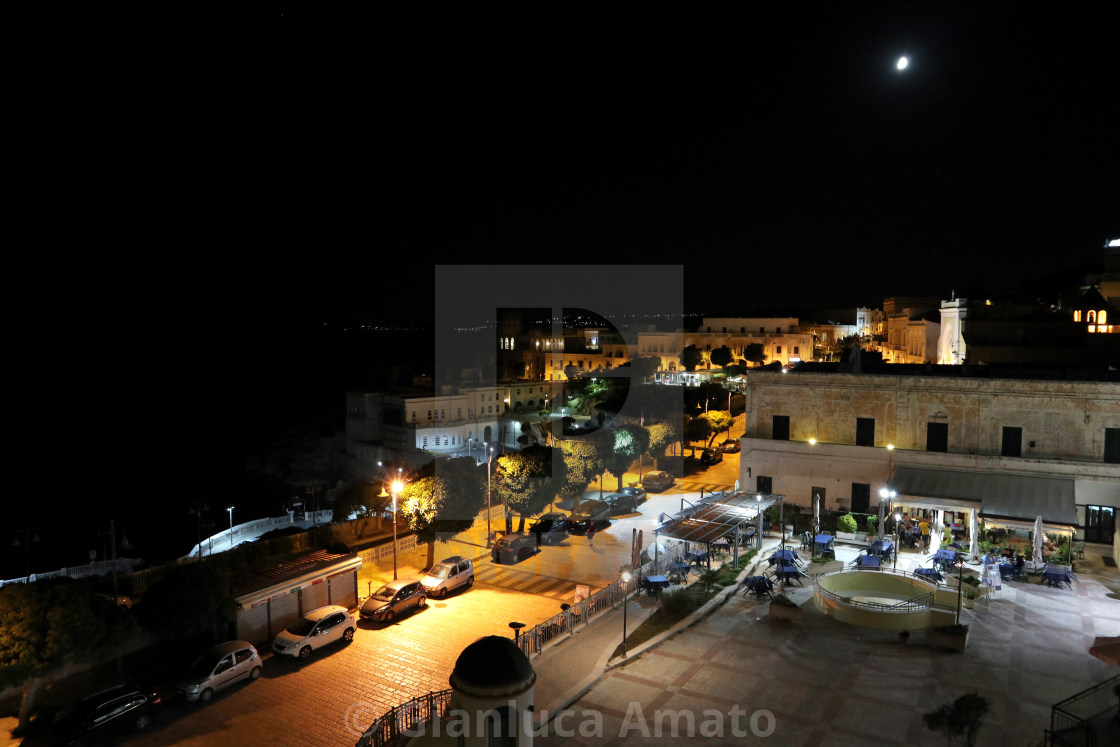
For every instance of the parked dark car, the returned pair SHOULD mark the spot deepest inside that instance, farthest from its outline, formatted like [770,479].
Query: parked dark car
[118,710]
[621,504]
[638,493]
[513,548]
[394,599]
[656,481]
[731,446]
[712,455]
[590,513]
[550,529]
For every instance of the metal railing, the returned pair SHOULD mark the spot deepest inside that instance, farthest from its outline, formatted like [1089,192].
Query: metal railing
[399,721]
[97,568]
[1071,720]
[385,550]
[919,603]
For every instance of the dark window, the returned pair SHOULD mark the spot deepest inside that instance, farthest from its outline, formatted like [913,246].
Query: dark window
[765,484]
[781,428]
[861,497]
[797,350]
[1012,442]
[1112,445]
[865,431]
[937,436]
[1100,522]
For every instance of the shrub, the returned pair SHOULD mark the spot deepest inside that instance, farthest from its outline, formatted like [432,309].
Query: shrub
[679,602]
[847,523]
[872,524]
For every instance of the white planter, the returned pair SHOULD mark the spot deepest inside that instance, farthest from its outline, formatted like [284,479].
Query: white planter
[850,537]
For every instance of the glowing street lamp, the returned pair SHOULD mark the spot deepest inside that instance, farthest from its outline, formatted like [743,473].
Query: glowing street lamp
[396,487]
[230,509]
[625,588]
[489,458]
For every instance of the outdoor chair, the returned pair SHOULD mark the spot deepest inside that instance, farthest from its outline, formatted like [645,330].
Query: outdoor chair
[1079,549]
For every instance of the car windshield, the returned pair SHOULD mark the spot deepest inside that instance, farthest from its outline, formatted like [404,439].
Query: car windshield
[385,593]
[301,627]
[543,526]
[440,571]
[204,665]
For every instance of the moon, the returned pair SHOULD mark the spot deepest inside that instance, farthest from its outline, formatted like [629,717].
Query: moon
[902,63]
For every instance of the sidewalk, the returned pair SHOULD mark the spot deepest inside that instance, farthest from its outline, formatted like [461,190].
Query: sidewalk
[569,669]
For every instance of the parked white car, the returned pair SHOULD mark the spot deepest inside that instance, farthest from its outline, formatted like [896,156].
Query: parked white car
[315,630]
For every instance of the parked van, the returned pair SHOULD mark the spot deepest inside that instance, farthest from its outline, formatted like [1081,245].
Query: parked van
[589,513]
[447,575]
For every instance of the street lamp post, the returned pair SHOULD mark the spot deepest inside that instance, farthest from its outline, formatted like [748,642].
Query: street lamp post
[897,520]
[30,534]
[197,507]
[625,588]
[489,458]
[960,583]
[230,509]
[396,489]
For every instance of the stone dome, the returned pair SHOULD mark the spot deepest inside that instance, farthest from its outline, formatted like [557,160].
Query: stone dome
[492,666]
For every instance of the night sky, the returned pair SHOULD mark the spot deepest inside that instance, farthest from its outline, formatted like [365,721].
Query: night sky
[777,153]
[323,165]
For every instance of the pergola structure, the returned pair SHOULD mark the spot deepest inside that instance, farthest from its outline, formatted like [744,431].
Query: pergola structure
[721,515]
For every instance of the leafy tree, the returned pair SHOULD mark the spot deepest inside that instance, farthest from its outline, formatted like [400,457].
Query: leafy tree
[722,356]
[436,511]
[965,715]
[719,421]
[364,500]
[527,481]
[44,626]
[755,353]
[629,442]
[660,436]
[585,459]
[643,367]
[188,600]
[695,429]
[691,358]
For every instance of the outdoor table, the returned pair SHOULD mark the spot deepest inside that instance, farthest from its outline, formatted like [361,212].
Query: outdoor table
[784,557]
[678,571]
[882,548]
[931,573]
[721,545]
[757,585]
[656,583]
[789,573]
[822,542]
[1057,577]
[868,561]
[956,529]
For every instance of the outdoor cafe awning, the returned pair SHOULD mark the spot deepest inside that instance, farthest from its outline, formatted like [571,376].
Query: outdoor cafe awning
[716,516]
[1000,497]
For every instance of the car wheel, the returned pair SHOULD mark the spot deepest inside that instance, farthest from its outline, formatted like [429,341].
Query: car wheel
[143,721]
[470,582]
[255,674]
[524,553]
[424,601]
[348,636]
[305,653]
[441,594]
[389,617]
[205,695]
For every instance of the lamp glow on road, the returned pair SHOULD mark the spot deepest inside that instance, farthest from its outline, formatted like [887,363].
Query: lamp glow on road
[902,63]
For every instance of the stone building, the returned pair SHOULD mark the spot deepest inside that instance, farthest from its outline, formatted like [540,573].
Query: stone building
[844,437]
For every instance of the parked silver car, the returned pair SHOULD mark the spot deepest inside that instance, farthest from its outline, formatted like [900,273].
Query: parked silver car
[447,575]
[219,668]
[657,480]
[513,548]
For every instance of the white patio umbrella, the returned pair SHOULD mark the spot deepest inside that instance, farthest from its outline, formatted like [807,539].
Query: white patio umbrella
[817,513]
[973,530]
[882,517]
[1038,539]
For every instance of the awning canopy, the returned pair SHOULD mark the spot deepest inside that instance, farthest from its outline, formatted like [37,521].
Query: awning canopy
[998,496]
[718,515]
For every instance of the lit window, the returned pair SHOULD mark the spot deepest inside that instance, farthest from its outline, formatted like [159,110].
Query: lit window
[1091,317]
[1102,316]
[1092,328]
[1077,316]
